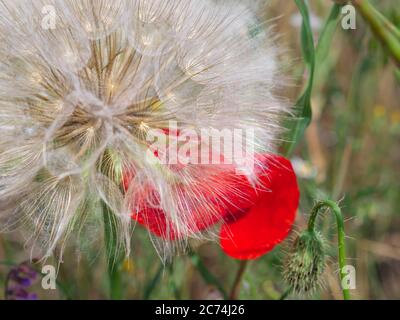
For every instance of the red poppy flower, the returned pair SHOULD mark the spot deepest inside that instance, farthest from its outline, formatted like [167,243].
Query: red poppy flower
[254,218]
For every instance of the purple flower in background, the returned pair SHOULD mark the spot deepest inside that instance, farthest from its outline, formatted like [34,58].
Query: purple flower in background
[19,280]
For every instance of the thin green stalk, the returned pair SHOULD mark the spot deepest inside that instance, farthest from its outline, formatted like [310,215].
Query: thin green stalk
[152,284]
[7,263]
[207,276]
[172,284]
[285,294]
[387,33]
[113,254]
[237,284]
[341,235]
[327,34]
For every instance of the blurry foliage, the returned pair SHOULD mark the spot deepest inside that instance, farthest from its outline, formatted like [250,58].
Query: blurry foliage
[353,145]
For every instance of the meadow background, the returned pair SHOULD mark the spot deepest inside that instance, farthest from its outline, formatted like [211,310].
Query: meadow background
[350,153]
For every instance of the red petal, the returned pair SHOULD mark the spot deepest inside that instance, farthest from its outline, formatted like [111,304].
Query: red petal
[268,222]
[236,195]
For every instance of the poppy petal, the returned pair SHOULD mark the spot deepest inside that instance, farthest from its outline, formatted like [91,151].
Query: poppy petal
[269,220]
[235,195]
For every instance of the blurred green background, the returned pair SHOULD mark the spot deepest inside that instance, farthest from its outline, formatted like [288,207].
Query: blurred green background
[350,153]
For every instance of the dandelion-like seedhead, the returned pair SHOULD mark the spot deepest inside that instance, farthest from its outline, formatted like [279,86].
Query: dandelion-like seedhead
[305,262]
[77,101]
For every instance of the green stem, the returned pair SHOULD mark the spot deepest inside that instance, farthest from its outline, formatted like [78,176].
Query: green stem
[207,276]
[285,294]
[113,254]
[153,283]
[238,280]
[341,235]
[172,284]
[7,263]
[384,30]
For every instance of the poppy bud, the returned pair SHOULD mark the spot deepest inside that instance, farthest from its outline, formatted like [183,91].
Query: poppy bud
[305,262]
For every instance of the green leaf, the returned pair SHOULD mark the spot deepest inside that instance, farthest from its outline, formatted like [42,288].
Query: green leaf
[384,30]
[327,33]
[304,102]
[312,58]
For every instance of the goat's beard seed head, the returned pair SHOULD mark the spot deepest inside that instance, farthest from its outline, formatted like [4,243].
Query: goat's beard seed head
[77,99]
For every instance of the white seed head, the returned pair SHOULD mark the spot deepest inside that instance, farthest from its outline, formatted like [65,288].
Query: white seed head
[77,100]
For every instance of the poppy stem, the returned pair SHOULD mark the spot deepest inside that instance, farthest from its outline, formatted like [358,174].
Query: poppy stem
[238,280]
[207,276]
[341,236]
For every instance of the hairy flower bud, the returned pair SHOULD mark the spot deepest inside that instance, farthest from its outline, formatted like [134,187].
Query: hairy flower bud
[305,262]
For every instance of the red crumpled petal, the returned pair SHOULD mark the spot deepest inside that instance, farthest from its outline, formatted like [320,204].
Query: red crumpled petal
[156,221]
[236,195]
[269,220]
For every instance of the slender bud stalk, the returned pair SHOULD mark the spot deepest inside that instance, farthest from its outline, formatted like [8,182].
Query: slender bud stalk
[341,235]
